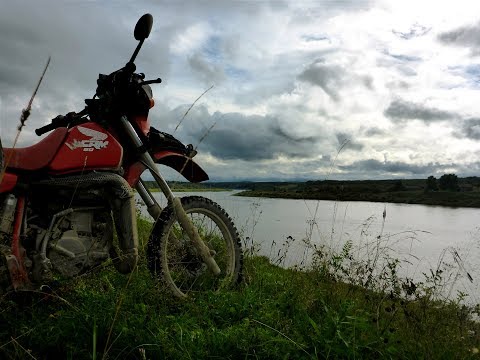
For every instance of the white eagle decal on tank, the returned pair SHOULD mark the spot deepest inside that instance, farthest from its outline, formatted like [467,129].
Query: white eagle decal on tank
[96,141]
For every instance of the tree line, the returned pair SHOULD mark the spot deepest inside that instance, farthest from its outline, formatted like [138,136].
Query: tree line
[447,182]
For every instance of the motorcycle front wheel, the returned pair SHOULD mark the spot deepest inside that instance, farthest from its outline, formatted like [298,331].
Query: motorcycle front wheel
[173,259]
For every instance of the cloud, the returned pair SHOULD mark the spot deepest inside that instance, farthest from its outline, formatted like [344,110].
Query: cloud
[374,131]
[466,36]
[328,77]
[397,85]
[470,72]
[346,143]
[190,39]
[470,129]
[373,167]
[243,137]
[405,58]
[405,64]
[401,110]
[208,72]
[325,9]
[315,38]
[331,77]
[82,41]
[292,79]
[415,31]
[241,170]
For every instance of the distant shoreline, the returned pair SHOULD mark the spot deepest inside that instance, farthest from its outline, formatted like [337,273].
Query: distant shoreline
[436,199]
[466,191]
[405,191]
[191,190]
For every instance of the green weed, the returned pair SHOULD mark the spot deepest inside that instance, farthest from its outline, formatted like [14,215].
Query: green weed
[339,308]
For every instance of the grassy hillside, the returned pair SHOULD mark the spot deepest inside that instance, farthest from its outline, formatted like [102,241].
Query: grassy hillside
[275,313]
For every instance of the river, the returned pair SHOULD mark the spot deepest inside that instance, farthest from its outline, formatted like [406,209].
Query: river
[422,237]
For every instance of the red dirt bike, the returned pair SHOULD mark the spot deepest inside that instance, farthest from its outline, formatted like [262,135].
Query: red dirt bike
[58,196]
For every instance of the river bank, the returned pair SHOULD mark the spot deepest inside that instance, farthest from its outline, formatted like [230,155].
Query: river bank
[450,199]
[466,192]
[339,308]
[301,315]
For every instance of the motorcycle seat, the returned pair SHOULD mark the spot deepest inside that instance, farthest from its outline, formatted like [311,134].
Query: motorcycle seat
[37,156]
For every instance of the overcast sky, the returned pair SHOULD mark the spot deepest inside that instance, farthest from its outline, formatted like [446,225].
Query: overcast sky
[302,89]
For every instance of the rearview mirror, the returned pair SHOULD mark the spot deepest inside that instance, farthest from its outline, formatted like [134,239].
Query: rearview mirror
[143,27]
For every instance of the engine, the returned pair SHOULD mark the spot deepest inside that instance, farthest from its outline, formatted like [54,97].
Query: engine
[81,240]
[68,228]
[67,237]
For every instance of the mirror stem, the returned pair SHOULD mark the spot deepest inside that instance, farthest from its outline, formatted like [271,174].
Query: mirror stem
[135,53]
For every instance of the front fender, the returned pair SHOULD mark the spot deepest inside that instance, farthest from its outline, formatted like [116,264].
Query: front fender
[181,163]
[167,150]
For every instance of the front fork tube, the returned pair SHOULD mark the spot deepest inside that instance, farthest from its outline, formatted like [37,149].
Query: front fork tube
[153,208]
[180,214]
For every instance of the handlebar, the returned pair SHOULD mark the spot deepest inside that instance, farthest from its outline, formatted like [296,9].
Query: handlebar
[104,82]
[45,129]
[156,81]
[60,121]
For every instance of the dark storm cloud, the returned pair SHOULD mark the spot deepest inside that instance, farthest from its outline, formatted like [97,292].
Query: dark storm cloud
[469,129]
[77,38]
[401,110]
[331,78]
[282,133]
[375,167]
[83,39]
[240,170]
[346,143]
[371,168]
[328,77]
[237,136]
[466,36]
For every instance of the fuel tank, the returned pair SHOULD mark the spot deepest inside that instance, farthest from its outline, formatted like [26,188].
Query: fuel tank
[87,147]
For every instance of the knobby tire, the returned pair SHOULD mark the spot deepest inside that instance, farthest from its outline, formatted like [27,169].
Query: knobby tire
[172,258]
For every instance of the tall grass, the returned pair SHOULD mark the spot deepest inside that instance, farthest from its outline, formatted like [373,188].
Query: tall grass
[337,308]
